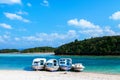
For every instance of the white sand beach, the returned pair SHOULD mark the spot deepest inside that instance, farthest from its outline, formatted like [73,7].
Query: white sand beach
[44,75]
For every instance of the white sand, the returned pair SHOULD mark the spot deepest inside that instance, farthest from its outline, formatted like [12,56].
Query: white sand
[44,75]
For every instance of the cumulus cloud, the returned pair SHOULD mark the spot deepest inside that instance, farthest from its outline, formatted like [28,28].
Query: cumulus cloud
[45,3]
[115,16]
[106,31]
[10,2]
[13,16]
[17,39]
[4,38]
[21,30]
[29,4]
[92,32]
[90,29]
[118,25]
[32,38]
[1,39]
[82,23]
[22,12]
[6,26]
[46,39]
[51,37]
[86,26]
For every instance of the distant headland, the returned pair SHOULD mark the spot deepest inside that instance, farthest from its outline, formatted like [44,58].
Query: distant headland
[29,50]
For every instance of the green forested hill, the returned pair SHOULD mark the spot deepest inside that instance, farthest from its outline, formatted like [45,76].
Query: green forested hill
[29,50]
[8,50]
[38,49]
[108,45]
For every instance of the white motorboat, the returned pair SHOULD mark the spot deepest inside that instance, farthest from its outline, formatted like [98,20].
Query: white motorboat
[78,67]
[52,65]
[65,64]
[38,63]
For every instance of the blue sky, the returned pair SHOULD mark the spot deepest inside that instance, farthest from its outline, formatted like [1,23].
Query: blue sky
[33,23]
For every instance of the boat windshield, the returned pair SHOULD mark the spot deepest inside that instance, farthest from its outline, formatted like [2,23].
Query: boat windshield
[62,62]
[49,64]
[55,63]
[42,62]
[68,63]
[62,59]
[36,63]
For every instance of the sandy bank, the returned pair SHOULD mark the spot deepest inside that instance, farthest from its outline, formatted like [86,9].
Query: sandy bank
[43,75]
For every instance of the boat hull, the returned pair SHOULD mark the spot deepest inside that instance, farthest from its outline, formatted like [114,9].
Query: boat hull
[38,63]
[78,67]
[52,65]
[79,70]
[38,67]
[52,69]
[65,64]
[65,68]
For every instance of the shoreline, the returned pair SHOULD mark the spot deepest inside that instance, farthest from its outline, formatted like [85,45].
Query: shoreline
[31,53]
[39,53]
[58,54]
[45,75]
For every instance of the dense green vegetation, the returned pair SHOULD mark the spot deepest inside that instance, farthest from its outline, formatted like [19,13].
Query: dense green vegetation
[38,49]
[29,50]
[107,45]
[8,50]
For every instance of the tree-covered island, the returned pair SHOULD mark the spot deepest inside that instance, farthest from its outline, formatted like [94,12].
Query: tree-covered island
[38,50]
[9,51]
[29,50]
[107,45]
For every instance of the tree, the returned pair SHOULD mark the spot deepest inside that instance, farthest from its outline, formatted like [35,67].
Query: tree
[107,45]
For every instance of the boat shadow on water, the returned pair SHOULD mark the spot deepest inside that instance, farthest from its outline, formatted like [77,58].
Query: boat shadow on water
[29,68]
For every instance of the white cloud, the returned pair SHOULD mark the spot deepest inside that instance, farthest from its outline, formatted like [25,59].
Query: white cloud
[29,4]
[1,39]
[72,34]
[73,22]
[32,38]
[13,16]
[119,25]
[90,29]
[51,37]
[108,31]
[17,39]
[87,27]
[115,16]
[6,26]
[82,23]
[6,36]
[45,3]
[92,32]
[22,12]
[10,2]
[21,30]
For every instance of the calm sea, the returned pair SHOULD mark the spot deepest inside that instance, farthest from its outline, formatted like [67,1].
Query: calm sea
[97,64]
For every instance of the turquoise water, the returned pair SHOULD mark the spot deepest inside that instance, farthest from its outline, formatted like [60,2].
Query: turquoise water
[99,64]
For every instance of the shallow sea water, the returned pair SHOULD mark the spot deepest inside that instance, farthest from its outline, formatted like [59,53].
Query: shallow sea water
[97,64]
